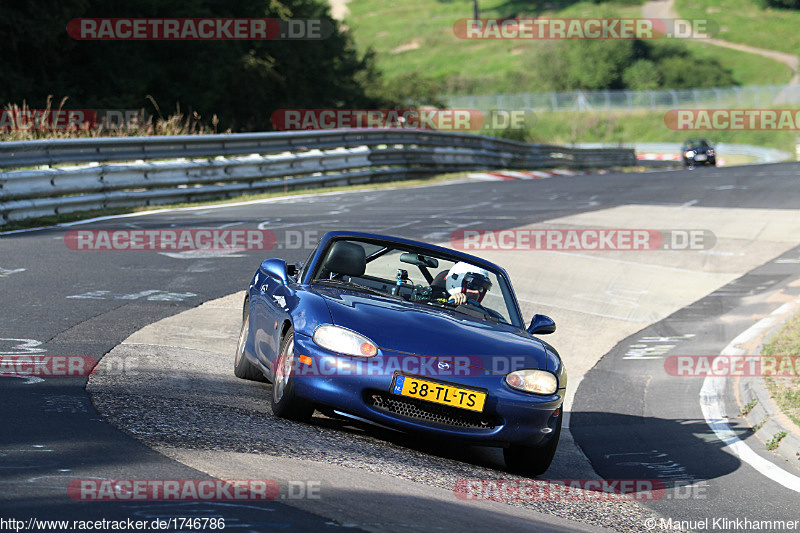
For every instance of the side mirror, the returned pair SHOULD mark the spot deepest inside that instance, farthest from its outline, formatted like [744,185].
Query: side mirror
[541,325]
[275,268]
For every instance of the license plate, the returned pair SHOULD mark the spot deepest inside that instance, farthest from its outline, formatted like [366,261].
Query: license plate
[440,393]
[700,157]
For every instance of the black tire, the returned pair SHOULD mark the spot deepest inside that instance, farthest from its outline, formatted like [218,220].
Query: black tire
[242,367]
[284,402]
[532,461]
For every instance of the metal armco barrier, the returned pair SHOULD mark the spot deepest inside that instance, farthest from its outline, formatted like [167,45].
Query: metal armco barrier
[125,171]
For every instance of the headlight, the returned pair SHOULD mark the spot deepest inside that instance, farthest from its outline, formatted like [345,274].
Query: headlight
[536,381]
[689,153]
[338,339]
[710,152]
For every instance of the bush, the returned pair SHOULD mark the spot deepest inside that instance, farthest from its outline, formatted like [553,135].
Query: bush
[622,64]
[642,75]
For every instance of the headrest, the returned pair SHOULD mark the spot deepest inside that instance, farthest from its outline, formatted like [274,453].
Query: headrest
[346,258]
[439,282]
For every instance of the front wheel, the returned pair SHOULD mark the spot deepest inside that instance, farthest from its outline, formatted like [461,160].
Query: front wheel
[242,367]
[532,461]
[284,402]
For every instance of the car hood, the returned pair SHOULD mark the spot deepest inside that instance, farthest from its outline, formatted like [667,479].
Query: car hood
[398,326]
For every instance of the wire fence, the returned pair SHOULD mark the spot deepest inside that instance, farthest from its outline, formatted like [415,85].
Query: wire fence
[749,97]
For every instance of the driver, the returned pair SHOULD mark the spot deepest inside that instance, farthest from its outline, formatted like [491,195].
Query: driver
[465,281]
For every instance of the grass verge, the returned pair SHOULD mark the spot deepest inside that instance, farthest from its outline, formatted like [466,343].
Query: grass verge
[639,126]
[745,22]
[786,390]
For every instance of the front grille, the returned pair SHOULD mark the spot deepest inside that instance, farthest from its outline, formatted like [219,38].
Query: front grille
[431,412]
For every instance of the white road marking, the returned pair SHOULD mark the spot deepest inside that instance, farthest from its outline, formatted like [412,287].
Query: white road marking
[279,224]
[713,392]
[21,346]
[153,295]
[4,273]
[29,380]
[203,209]
[202,254]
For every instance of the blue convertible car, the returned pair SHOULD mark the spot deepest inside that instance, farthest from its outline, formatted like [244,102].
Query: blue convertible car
[407,335]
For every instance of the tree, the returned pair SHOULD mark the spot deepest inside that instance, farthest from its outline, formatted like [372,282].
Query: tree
[642,75]
[242,82]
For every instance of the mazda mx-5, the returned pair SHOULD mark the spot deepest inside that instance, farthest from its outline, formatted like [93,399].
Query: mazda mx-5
[407,335]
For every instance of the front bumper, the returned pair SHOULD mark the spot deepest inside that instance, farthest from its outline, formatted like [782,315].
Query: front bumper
[361,387]
[708,160]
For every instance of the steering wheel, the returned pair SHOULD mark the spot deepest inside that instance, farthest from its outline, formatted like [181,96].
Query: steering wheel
[469,301]
[472,303]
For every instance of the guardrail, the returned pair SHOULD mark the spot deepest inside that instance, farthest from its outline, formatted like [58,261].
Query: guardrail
[758,154]
[127,171]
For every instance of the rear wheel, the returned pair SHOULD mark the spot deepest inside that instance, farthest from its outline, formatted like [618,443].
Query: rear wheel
[242,367]
[285,404]
[532,461]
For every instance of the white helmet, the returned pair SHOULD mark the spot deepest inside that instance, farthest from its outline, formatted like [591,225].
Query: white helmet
[463,277]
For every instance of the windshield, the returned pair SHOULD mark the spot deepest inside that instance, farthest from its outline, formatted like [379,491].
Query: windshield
[697,144]
[418,276]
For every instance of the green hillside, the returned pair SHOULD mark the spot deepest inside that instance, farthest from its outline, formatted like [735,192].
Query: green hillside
[416,36]
[747,22]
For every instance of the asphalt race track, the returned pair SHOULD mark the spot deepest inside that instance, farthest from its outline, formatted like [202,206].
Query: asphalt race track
[176,411]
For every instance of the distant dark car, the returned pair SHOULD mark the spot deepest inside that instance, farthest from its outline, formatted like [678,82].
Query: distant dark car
[698,152]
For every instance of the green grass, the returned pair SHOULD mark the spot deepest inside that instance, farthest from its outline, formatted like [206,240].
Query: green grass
[747,408]
[640,126]
[425,28]
[747,69]
[776,440]
[786,390]
[742,21]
